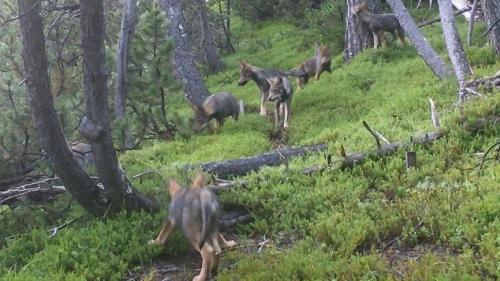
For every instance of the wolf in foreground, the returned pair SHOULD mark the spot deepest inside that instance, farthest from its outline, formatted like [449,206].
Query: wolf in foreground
[378,23]
[196,210]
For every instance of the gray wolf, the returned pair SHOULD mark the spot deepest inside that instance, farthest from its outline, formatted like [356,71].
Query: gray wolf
[258,75]
[378,23]
[196,210]
[314,66]
[281,92]
[218,106]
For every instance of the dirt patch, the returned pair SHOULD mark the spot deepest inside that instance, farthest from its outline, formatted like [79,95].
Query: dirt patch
[278,138]
[401,258]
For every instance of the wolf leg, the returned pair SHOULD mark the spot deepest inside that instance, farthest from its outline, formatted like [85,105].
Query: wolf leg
[286,114]
[381,38]
[263,99]
[375,40]
[207,256]
[164,233]
[277,115]
[226,244]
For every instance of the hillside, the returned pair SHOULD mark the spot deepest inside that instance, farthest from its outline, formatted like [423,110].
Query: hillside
[377,221]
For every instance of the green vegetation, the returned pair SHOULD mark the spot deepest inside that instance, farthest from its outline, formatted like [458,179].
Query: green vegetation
[336,225]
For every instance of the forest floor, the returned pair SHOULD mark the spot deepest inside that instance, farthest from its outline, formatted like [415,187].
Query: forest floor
[377,221]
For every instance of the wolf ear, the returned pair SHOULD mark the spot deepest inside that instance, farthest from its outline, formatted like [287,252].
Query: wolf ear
[280,80]
[242,63]
[174,188]
[199,181]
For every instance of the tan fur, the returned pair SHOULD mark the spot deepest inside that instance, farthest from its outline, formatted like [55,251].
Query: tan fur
[196,210]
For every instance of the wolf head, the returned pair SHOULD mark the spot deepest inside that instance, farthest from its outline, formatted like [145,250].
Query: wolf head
[362,6]
[246,73]
[277,90]
[200,119]
[325,58]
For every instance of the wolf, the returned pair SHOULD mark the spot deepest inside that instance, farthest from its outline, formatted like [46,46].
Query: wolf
[249,72]
[281,92]
[196,210]
[314,66]
[218,106]
[378,23]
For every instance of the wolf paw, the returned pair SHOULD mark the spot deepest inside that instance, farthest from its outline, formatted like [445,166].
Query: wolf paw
[153,242]
[231,243]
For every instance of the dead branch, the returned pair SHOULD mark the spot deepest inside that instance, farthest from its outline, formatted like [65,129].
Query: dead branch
[434,115]
[375,136]
[54,230]
[237,167]
[13,194]
[429,22]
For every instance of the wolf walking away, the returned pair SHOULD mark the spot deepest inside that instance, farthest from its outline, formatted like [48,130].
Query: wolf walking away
[281,92]
[249,72]
[218,106]
[378,23]
[314,66]
[196,210]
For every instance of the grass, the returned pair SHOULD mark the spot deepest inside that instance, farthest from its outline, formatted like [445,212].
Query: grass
[331,226]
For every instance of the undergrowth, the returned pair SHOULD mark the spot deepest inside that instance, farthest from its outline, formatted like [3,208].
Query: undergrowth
[334,225]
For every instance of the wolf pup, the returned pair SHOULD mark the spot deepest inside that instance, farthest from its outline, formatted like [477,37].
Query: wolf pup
[249,72]
[197,211]
[280,92]
[218,106]
[314,66]
[378,23]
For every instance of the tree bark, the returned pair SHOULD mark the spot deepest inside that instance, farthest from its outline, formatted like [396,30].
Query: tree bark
[491,10]
[183,63]
[129,19]
[470,28]
[356,35]
[418,41]
[453,42]
[44,115]
[120,191]
[206,45]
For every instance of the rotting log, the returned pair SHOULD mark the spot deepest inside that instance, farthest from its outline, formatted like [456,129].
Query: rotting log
[237,167]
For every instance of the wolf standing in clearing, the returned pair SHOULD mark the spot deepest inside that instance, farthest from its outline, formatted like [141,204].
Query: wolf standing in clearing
[280,92]
[314,66]
[259,76]
[378,23]
[197,211]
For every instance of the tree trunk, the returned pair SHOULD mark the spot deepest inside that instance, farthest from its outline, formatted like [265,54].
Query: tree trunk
[226,24]
[491,10]
[470,28]
[206,45]
[44,115]
[453,42]
[129,19]
[418,41]
[183,63]
[96,125]
[357,36]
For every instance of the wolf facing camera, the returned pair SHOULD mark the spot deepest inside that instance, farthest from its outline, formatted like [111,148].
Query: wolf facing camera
[281,92]
[259,76]
[196,210]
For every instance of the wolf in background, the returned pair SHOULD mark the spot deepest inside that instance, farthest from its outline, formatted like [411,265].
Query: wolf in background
[281,92]
[196,210]
[378,23]
[259,76]
[320,62]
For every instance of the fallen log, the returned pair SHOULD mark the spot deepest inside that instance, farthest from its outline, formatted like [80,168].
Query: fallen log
[237,167]
[429,22]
